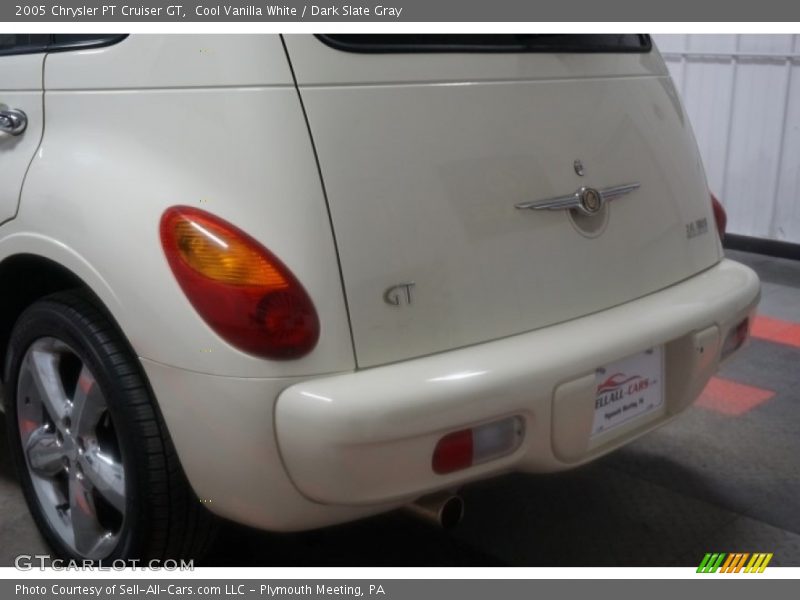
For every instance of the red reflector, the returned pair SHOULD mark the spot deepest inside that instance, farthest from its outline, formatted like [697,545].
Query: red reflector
[742,330]
[736,338]
[453,452]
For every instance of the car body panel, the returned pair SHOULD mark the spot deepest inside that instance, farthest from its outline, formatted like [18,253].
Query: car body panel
[224,431]
[20,89]
[435,170]
[152,61]
[112,160]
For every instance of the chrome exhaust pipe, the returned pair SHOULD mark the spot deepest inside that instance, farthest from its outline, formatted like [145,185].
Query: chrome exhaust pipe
[444,509]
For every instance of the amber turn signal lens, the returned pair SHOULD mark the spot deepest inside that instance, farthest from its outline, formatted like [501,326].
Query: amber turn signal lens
[211,250]
[242,290]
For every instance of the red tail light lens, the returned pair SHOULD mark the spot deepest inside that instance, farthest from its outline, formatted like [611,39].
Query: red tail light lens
[242,290]
[720,216]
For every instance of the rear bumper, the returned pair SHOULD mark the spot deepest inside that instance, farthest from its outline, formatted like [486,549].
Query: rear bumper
[367,438]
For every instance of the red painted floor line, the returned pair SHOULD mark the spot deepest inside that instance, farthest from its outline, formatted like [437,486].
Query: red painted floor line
[732,398]
[775,330]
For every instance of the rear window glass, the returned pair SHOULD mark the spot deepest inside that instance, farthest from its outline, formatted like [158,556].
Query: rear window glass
[489,42]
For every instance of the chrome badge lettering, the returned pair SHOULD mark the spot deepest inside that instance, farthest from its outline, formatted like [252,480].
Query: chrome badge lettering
[695,228]
[398,294]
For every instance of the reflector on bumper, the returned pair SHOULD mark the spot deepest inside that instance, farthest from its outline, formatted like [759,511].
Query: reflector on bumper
[468,447]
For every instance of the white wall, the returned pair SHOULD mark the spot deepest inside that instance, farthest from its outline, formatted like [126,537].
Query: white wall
[742,93]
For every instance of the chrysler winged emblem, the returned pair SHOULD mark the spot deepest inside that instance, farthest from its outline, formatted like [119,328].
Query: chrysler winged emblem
[588,201]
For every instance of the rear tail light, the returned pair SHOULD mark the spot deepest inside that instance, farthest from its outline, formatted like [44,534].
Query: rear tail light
[736,338]
[720,216]
[469,447]
[242,290]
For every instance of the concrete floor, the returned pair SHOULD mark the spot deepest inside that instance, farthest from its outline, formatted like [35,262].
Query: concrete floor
[724,477]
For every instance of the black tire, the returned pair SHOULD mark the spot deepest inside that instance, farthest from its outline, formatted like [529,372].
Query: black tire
[160,517]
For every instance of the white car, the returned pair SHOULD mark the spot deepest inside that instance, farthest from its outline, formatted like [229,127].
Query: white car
[295,281]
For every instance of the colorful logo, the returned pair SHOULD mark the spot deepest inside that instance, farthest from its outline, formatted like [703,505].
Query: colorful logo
[735,562]
[617,380]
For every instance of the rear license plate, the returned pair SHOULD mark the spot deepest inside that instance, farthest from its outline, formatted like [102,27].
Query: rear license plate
[628,389]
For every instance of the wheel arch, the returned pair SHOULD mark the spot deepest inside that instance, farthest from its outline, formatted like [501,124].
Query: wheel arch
[26,276]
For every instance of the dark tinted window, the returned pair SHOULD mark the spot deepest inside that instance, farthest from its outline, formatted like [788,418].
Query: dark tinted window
[18,43]
[26,43]
[490,42]
[64,41]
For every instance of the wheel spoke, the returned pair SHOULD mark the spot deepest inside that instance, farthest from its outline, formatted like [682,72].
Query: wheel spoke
[88,404]
[106,475]
[72,450]
[44,371]
[89,535]
[45,455]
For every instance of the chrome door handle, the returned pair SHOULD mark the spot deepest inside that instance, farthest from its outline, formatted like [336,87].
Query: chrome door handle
[13,121]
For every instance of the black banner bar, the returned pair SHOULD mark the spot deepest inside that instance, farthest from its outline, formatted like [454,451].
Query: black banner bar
[730,587]
[89,11]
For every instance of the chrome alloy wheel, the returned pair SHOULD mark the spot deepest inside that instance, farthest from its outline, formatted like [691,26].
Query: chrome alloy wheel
[71,449]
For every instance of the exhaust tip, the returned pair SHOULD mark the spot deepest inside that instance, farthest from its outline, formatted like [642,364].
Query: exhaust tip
[444,509]
[451,512]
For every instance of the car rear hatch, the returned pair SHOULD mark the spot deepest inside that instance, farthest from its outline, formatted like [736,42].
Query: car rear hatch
[427,145]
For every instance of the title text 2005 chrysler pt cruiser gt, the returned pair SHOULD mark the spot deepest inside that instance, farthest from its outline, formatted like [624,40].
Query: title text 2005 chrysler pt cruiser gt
[299,280]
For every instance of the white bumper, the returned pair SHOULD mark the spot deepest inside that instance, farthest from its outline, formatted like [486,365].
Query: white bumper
[367,437]
[298,453]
